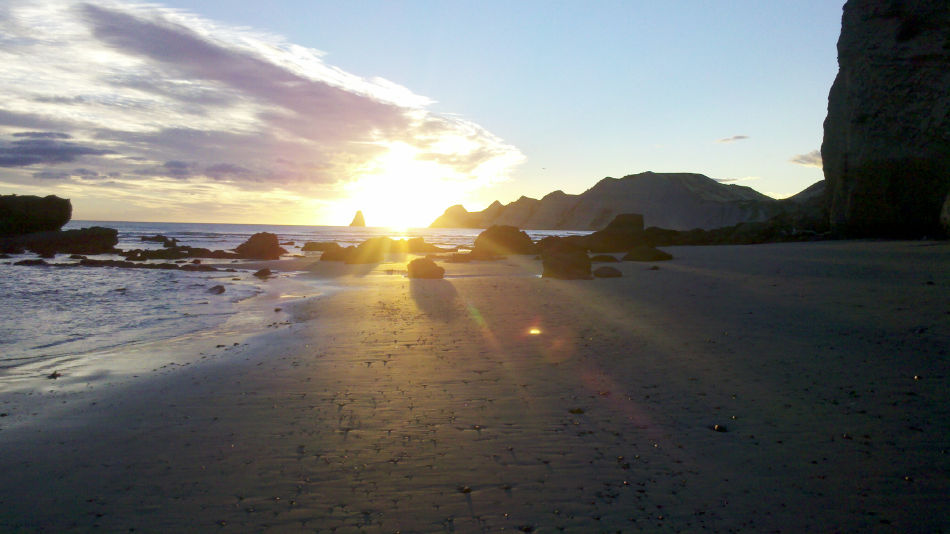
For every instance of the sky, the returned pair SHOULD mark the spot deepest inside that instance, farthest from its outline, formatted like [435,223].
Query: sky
[302,112]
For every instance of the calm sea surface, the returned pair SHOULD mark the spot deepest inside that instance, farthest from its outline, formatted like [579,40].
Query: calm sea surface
[49,313]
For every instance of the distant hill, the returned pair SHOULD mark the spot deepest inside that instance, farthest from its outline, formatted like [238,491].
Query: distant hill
[678,201]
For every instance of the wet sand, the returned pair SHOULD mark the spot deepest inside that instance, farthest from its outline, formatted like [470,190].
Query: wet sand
[495,400]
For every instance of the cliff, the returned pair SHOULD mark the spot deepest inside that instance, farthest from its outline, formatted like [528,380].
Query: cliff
[886,149]
[679,201]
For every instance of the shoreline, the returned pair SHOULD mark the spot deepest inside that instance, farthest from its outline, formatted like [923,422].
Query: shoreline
[428,405]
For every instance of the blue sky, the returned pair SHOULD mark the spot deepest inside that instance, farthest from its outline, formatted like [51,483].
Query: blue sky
[428,102]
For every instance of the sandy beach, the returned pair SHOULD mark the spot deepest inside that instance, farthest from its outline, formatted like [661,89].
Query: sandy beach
[772,388]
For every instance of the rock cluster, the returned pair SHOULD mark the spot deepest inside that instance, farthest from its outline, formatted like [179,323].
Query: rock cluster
[886,148]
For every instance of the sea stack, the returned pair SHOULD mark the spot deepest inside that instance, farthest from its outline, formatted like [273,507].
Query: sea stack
[358,219]
[886,152]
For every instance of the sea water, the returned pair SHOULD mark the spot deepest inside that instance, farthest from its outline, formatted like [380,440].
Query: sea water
[60,314]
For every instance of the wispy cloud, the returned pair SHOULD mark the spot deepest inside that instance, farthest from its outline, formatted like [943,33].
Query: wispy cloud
[732,139]
[142,93]
[734,180]
[811,159]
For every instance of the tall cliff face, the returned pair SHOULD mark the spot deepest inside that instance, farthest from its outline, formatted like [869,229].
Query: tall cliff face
[886,150]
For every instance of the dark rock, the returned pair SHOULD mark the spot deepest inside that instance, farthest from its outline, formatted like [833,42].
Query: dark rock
[334,252]
[263,273]
[25,214]
[159,238]
[607,272]
[54,375]
[197,268]
[501,240]
[886,152]
[358,219]
[645,253]
[603,258]
[425,268]
[216,290]
[31,262]
[95,240]
[373,250]
[287,244]
[624,232]
[565,261]
[260,246]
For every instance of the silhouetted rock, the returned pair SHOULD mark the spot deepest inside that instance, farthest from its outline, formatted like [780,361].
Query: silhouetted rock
[24,214]
[216,290]
[373,250]
[424,268]
[500,241]
[159,238]
[646,253]
[260,246]
[563,260]
[886,151]
[622,233]
[263,273]
[358,219]
[603,258]
[607,272]
[334,252]
[31,263]
[94,240]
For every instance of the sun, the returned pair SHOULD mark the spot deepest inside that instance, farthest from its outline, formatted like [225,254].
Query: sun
[400,191]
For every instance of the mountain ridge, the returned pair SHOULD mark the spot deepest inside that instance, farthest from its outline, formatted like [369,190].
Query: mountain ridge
[677,201]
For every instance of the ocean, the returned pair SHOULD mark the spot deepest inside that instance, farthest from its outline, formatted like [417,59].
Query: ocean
[54,316]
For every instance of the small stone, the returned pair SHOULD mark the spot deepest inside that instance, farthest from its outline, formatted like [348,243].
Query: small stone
[720,428]
[54,375]
[263,273]
[216,290]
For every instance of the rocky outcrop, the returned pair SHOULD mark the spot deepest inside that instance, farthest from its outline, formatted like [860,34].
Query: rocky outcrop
[260,246]
[376,249]
[501,240]
[680,201]
[94,240]
[24,214]
[886,149]
[424,268]
[358,219]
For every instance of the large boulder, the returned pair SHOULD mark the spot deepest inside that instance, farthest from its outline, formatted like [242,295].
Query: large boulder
[500,240]
[886,149]
[424,268]
[565,261]
[622,233]
[260,246]
[24,214]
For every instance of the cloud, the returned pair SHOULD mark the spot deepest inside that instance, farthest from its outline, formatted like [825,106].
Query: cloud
[38,149]
[148,93]
[732,139]
[811,159]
